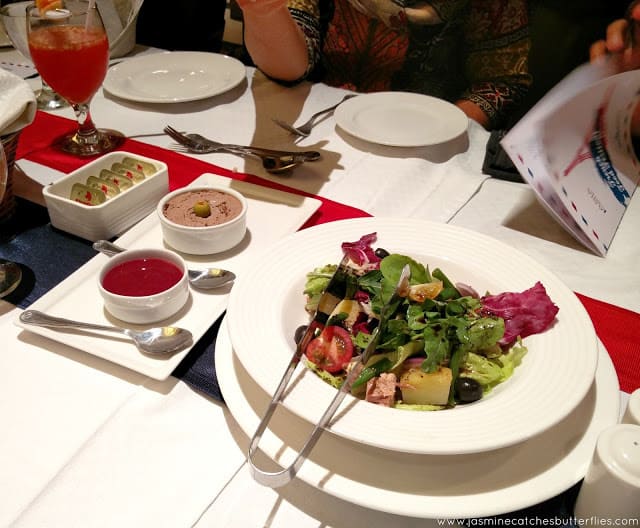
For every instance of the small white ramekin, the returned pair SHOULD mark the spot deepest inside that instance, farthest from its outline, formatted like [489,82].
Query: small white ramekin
[208,239]
[147,308]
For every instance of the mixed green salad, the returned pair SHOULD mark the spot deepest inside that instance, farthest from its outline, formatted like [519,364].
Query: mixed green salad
[444,345]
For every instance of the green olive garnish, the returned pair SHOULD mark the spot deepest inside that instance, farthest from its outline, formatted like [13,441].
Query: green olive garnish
[202,209]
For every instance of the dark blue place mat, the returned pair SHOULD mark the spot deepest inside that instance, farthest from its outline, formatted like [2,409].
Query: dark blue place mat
[47,256]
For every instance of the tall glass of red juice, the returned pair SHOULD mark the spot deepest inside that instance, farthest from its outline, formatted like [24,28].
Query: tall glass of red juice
[70,50]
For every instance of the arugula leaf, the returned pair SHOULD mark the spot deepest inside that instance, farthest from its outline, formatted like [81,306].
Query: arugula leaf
[370,282]
[391,267]
[416,319]
[436,347]
[481,333]
[449,291]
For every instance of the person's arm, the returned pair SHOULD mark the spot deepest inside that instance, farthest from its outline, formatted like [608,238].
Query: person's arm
[497,62]
[622,41]
[473,111]
[274,39]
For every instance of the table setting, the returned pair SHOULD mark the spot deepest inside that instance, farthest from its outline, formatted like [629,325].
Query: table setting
[96,421]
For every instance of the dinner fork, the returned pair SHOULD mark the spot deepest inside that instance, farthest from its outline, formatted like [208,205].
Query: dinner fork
[272,164]
[202,145]
[305,128]
[275,164]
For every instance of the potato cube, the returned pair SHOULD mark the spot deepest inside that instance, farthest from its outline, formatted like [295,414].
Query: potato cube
[422,388]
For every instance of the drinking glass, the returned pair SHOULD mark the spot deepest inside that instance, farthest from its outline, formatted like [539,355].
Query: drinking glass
[14,19]
[70,49]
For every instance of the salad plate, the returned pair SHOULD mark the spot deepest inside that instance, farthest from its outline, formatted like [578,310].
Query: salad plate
[552,380]
[401,119]
[429,486]
[77,297]
[174,76]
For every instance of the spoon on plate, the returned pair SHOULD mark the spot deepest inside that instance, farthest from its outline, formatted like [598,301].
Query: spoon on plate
[278,165]
[206,279]
[154,341]
[10,277]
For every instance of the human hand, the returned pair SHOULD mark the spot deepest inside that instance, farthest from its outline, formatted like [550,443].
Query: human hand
[387,11]
[622,41]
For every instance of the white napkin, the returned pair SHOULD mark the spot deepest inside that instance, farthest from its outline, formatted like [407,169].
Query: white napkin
[17,103]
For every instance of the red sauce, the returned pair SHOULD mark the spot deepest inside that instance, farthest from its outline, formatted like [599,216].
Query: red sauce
[144,276]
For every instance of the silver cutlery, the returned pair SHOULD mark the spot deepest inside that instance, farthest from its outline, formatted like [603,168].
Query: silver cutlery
[305,128]
[303,155]
[273,165]
[206,279]
[274,161]
[327,303]
[154,341]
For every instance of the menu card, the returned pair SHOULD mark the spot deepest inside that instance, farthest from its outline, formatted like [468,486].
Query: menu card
[575,148]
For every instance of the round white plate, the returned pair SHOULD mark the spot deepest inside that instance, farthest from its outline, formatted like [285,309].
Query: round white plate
[429,486]
[401,119]
[267,305]
[174,76]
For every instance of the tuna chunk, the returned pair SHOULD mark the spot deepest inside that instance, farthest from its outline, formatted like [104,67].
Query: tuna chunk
[382,389]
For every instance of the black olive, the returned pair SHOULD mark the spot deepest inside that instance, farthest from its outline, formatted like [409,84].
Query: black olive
[381,253]
[299,333]
[467,390]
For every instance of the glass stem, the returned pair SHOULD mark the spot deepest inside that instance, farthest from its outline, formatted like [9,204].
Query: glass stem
[87,132]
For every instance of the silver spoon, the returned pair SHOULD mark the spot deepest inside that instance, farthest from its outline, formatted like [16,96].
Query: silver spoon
[10,277]
[207,279]
[279,166]
[155,341]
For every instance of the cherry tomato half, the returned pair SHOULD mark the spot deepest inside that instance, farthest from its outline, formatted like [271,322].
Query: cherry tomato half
[331,350]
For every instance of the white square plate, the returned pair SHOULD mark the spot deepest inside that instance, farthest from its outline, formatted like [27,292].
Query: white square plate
[272,214]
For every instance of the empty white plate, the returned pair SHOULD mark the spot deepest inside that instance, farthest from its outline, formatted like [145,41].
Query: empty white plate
[174,77]
[401,119]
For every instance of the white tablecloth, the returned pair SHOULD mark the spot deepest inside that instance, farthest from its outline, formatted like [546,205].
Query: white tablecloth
[88,444]
[430,183]
[510,212]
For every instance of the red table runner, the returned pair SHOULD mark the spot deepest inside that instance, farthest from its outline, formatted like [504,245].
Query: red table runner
[618,328]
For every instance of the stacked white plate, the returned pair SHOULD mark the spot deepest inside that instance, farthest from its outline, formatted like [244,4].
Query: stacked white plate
[527,441]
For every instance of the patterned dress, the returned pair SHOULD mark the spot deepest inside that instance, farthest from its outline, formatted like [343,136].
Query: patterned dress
[477,50]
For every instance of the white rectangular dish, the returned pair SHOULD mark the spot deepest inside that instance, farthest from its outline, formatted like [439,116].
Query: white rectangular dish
[114,216]
[271,215]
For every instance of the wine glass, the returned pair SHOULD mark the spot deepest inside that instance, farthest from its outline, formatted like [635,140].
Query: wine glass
[14,19]
[70,49]
[10,272]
